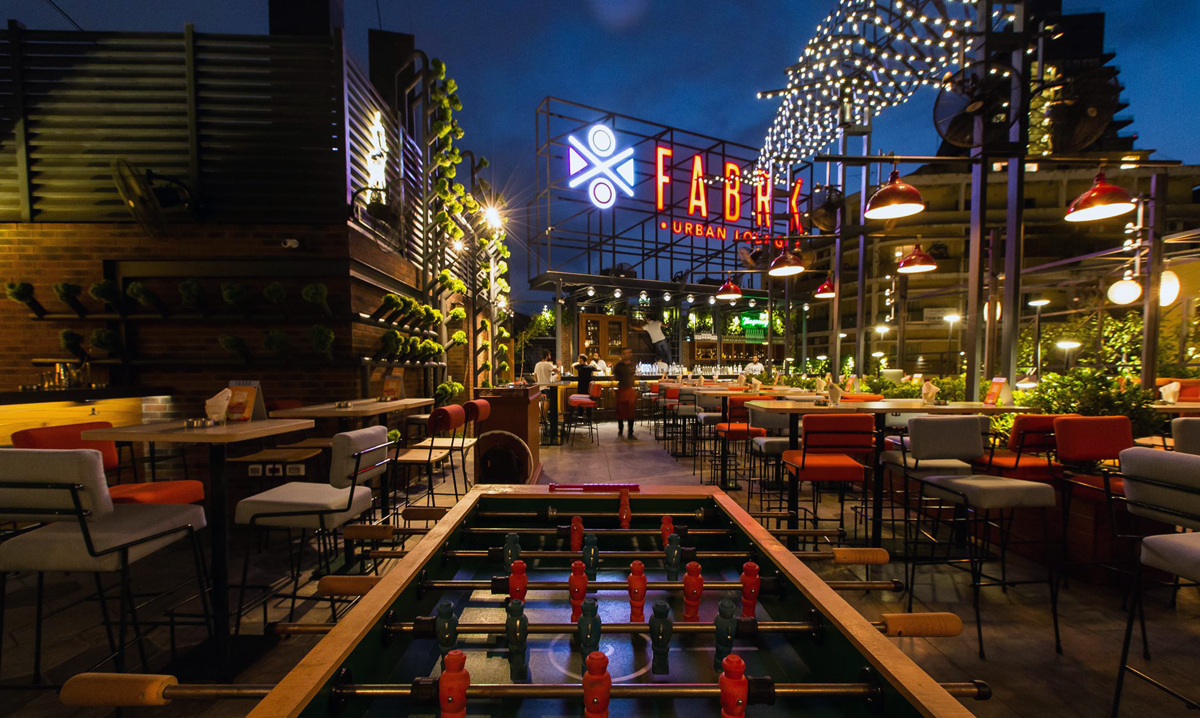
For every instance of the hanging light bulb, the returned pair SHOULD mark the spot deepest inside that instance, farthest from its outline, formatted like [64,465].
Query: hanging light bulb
[643,297]
[666,296]
[712,300]
[787,264]
[1102,201]
[691,298]
[1125,291]
[591,291]
[752,302]
[825,291]
[1168,288]
[916,262]
[617,293]
[729,290]
[895,199]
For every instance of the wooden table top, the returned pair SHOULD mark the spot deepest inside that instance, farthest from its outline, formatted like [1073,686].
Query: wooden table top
[1182,407]
[174,432]
[357,408]
[893,406]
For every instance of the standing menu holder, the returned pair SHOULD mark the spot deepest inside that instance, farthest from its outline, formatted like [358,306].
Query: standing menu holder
[246,404]
[999,393]
[393,387]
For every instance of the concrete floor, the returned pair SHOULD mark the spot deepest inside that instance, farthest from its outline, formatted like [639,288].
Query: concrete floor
[1027,677]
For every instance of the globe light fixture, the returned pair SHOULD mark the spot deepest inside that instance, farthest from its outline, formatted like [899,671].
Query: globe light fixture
[643,297]
[787,264]
[691,298]
[1038,302]
[729,290]
[881,329]
[894,200]
[1125,291]
[1102,201]
[916,262]
[617,293]
[591,291]
[712,300]
[825,291]
[1168,288]
[666,296]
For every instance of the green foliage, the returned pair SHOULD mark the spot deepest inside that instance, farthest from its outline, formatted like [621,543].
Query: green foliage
[106,291]
[234,345]
[278,342]
[503,368]
[501,350]
[394,436]
[1091,392]
[391,342]
[70,340]
[66,292]
[486,366]
[459,338]
[502,332]
[392,302]
[144,295]
[275,293]
[19,291]
[321,338]
[457,314]
[446,391]
[908,390]
[952,388]
[191,293]
[107,340]
[485,345]
[872,384]
[234,294]
[438,68]
[451,283]
[1175,370]
[315,293]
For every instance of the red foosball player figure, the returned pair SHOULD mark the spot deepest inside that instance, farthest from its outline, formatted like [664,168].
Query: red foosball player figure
[637,592]
[576,533]
[751,583]
[693,586]
[597,686]
[624,514]
[452,686]
[518,582]
[577,586]
[735,689]
[666,528]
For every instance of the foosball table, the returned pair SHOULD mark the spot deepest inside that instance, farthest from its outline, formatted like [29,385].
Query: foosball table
[533,601]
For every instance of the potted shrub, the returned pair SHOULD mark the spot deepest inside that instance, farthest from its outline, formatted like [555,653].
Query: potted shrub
[235,345]
[389,345]
[322,340]
[235,295]
[458,339]
[146,297]
[191,293]
[72,341]
[457,314]
[22,292]
[108,292]
[276,294]
[400,315]
[68,294]
[387,306]
[278,343]
[318,294]
[109,341]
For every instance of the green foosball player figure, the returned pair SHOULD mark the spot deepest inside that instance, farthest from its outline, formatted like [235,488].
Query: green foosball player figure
[674,557]
[587,632]
[591,556]
[726,626]
[446,628]
[661,628]
[512,548]
[516,630]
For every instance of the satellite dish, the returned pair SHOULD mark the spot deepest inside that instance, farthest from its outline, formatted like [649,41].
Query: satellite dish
[1083,110]
[982,90]
[145,201]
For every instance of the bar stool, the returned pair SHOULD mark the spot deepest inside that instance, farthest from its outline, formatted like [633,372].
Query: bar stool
[737,429]
[1164,487]
[830,443]
[1031,439]
[708,415]
[357,457]
[683,415]
[766,449]
[1089,448]
[85,532]
[581,403]
[429,454]
[937,445]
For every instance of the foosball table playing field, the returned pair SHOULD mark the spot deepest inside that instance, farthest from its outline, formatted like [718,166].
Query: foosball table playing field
[530,601]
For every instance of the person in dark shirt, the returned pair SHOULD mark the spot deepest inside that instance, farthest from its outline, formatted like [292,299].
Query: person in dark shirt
[583,374]
[625,373]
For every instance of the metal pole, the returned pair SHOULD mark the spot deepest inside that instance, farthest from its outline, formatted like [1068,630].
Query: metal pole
[1037,338]
[835,307]
[1015,222]
[804,340]
[862,337]
[901,318]
[1151,314]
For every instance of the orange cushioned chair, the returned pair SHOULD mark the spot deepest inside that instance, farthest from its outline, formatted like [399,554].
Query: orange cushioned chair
[1029,452]
[830,441]
[862,397]
[68,437]
[1084,442]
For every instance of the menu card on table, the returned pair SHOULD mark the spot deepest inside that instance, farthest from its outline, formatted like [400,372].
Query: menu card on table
[393,387]
[241,403]
[999,393]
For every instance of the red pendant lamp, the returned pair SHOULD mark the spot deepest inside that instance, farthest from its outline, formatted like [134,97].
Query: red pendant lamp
[894,200]
[825,291]
[1102,201]
[729,290]
[787,264]
[916,262]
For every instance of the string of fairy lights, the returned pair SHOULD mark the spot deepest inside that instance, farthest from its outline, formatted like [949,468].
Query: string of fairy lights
[866,56]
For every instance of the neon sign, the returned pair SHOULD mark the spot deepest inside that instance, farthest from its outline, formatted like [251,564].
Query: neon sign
[597,162]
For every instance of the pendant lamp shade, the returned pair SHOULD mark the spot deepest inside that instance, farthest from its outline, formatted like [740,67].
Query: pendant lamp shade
[1101,201]
[1124,291]
[916,262]
[729,290]
[825,291]
[787,264]
[895,199]
[1168,288]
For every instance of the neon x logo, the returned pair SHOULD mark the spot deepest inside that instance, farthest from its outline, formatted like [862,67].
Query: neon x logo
[599,162]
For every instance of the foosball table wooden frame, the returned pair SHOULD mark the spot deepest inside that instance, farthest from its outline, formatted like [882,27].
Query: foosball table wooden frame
[848,656]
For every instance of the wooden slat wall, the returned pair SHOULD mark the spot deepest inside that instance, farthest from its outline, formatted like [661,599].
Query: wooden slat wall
[266,117]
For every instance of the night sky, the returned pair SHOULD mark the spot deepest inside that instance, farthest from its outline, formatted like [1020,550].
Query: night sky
[694,64]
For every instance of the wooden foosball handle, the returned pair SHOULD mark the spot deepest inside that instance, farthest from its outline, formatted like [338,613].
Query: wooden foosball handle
[860,556]
[922,625]
[367,532]
[116,689]
[346,585]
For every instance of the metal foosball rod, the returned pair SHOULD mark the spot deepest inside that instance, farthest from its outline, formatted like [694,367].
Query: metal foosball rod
[550,514]
[499,585]
[129,690]
[383,532]
[844,556]
[896,625]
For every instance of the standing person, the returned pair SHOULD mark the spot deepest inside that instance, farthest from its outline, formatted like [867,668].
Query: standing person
[754,367]
[658,338]
[625,372]
[583,374]
[599,363]
[544,371]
